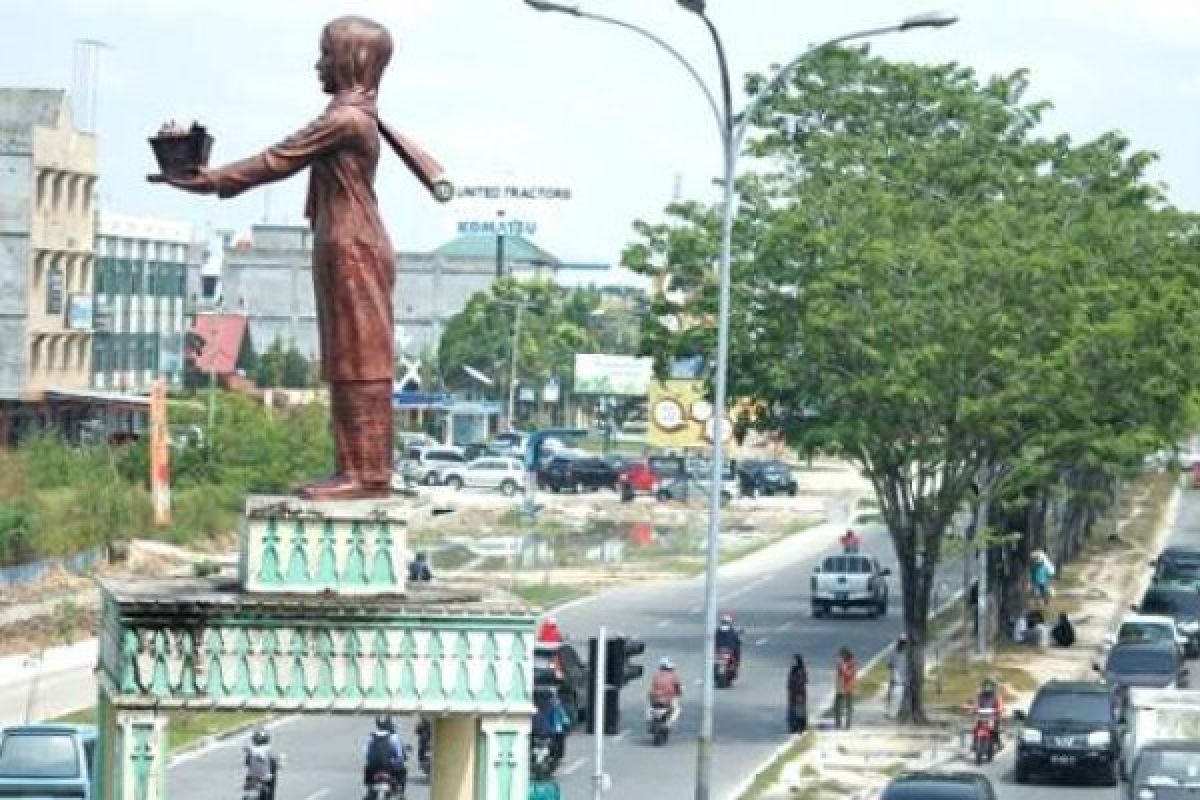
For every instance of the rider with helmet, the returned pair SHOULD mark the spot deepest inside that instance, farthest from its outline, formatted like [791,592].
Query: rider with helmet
[728,638]
[385,753]
[261,763]
[666,689]
[989,698]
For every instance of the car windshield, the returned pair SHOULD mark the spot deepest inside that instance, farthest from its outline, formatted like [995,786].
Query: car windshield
[932,790]
[38,756]
[1155,661]
[1175,602]
[1168,767]
[1144,632]
[847,564]
[1088,707]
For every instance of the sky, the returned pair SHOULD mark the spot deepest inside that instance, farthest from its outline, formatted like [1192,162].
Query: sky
[504,95]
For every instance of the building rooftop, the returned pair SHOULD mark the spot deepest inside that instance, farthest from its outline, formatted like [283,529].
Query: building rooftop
[22,108]
[481,246]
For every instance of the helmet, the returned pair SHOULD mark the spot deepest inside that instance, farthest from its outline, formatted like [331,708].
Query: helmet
[665,663]
[727,619]
[989,685]
[383,723]
[260,736]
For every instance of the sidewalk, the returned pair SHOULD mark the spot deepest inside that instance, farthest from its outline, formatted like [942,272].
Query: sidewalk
[1096,591]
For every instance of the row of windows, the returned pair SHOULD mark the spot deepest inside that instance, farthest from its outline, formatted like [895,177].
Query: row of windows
[120,353]
[140,249]
[54,353]
[64,192]
[152,317]
[121,276]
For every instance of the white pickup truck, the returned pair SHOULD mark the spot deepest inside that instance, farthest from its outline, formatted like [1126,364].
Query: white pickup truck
[1149,714]
[850,580]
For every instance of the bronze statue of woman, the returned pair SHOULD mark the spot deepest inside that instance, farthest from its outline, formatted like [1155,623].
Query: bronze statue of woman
[353,260]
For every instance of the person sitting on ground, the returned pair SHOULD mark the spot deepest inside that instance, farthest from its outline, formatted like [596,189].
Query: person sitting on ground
[1063,632]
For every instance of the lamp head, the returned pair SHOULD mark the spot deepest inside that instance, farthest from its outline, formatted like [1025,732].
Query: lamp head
[543,5]
[928,19]
[695,6]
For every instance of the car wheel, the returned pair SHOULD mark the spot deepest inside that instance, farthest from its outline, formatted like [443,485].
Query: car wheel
[791,490]
[454,482]
[1112,774]
[662,495]
[818,611]
[554,487]
[508,488]
[626,493]
[431,479]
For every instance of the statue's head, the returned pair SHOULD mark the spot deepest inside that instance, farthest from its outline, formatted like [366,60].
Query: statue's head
[354,53]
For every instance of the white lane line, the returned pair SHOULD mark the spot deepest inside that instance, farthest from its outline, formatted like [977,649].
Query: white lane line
[662,623]
[784,627]
[749,587]
[569,768]
[760,642]
[317,795]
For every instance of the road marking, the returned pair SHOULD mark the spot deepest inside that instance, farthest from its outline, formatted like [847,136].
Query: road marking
[662,623]
[749,587]
[317,795]
[569,768]
[784,627]
[760,642]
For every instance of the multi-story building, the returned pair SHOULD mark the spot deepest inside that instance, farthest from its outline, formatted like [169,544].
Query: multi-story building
[143,267]
[47,181]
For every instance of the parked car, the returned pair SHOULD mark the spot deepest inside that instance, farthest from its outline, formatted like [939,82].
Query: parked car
[1167,768]
[636,477]
[939,786]
[578,473]
[493,472]
[1155,665]
[696,485]
[1181,603]
[425,465]
[850,580]
[558,666]
[47,761]
[1071,728]
[757,478]
[1142,628]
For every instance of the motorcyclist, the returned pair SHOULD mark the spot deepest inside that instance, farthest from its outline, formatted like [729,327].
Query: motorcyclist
[989,698]
[728,638]
[385,753]
[666,689]
[261,763]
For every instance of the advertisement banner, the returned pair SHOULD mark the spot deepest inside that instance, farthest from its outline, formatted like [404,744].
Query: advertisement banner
[160,471]
[681,415]
[599,373]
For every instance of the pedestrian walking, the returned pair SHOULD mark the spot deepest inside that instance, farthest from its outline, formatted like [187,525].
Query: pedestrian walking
[897,677]
[797,696]
[843,702]
[1041,570]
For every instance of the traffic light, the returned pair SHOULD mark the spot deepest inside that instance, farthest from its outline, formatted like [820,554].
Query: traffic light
[611,700]
[630,671]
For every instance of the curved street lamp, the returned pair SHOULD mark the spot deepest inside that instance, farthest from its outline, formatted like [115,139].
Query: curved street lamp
[732,130]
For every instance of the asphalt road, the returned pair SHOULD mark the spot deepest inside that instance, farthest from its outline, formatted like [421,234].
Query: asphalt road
[768,594]
[1185,532]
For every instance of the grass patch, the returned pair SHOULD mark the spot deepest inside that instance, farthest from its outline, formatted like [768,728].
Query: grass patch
[768,776]
[955,679]
[184,728]
[544,595]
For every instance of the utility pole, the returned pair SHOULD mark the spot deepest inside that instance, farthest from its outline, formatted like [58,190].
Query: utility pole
[599,779]
[500,243]
[512,380]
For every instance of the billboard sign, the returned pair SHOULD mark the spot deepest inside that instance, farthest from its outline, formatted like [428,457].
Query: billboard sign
[600,373]
[681,415]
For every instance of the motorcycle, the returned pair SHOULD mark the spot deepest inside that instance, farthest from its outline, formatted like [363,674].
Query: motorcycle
[725,668]
[255,788]
[543,760]
[384,786]
[984,735]
[658,723]
[257,785]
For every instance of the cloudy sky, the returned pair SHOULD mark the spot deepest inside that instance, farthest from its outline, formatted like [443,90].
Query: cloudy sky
[500,93]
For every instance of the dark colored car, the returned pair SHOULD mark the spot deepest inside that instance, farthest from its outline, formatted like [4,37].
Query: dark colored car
[757,478]
[1179,602]
[47,761]
[939,786]
[1153,665]
[578,473]
[1177,565]
[559,667]
[1166,769]
[1071,729]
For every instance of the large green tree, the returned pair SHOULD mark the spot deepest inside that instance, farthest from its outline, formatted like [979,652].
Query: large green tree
[925,286]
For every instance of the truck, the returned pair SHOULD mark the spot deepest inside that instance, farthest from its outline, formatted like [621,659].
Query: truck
[849,580]
[47,760]
[1150,714]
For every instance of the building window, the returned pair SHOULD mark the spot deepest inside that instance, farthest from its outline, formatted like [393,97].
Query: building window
[152,286]
[54,290]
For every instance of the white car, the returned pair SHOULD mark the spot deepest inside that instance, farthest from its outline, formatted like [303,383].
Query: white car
[491,472]
[1150,627]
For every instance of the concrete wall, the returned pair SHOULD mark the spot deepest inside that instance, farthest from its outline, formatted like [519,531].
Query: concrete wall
[15,218]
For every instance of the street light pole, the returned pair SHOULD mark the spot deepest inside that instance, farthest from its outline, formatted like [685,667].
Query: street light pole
[512,380]
[732,129]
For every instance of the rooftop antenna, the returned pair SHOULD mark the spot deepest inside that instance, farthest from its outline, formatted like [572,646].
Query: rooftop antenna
[85,87]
